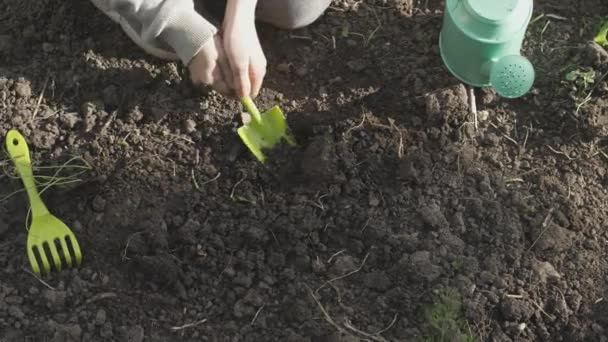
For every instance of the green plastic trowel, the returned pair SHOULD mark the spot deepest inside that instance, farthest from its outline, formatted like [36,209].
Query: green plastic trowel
[264,130]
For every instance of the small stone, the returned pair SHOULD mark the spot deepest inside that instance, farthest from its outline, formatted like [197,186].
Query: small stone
[99,203]
[545,271]
[254,298]
[16,312]
[190,126]
[54,299]
[301,71]
[100,317]
[13,300]
[135,114]
[240,309]
[66,332]
[90,118]
[243,279]
[483,115]
[47,47]
[23,89]
[135,334]
[283,67]
[343,265]
[73,331]
[515,309]
[491,139]
[357,65]
[555,238]
[77,226]
[374,201]
[69,119]
[421,265]
[106,330]
[432,215]
[318,266]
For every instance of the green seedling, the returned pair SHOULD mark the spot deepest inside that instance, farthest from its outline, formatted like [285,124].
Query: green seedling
[581,79]
[445,319]
[602,36]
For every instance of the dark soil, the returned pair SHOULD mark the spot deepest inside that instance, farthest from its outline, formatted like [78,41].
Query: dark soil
[390,196]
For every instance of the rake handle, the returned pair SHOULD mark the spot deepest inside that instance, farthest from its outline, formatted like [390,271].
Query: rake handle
[20,154]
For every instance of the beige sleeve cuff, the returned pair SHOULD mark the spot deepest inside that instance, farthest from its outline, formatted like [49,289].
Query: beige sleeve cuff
[186,32]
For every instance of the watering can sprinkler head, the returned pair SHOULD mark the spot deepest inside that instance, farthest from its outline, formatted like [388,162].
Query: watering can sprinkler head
[512,76]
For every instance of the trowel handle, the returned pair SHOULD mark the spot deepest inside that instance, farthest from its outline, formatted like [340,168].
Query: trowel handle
[251,108]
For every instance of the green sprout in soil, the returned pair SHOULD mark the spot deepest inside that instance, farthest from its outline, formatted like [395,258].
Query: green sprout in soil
[445,319]
[602,36]
[580,79]
[67,173]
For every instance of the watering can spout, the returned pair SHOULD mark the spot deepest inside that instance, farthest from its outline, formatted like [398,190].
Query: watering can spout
[512,76]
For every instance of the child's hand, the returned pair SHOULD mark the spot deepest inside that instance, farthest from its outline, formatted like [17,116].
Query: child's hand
[247,60]
[211,67]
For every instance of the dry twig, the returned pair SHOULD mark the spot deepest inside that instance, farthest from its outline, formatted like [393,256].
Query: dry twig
[344,275]
[189,325]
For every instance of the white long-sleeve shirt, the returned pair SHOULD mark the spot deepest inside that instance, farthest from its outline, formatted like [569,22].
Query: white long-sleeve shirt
[172,26]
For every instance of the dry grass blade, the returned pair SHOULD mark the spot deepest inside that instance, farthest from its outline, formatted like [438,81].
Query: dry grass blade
[189,325]
[344,275]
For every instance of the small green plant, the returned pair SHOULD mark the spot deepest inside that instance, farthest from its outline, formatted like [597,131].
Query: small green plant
[580,79]
[458,264]
[445,319]
[602,36]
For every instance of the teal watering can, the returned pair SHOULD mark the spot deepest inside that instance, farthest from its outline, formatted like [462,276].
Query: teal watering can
[480,44]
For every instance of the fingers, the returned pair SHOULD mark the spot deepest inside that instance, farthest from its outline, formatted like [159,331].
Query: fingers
[224,64]
[213,77]
[242,84]
[257,72]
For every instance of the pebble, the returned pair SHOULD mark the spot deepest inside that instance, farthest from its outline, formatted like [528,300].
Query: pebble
[100,317]
[357,65]
[73,331]
[69,119]
[14,311]
[99,203]
[13,300]
[432,216]
[301,71]
[54,299]
[545,270]
[23,89]
[106,330]
[283,67]
[77,226]
[190,126]
[47,47]
[343,265]
[135,334]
